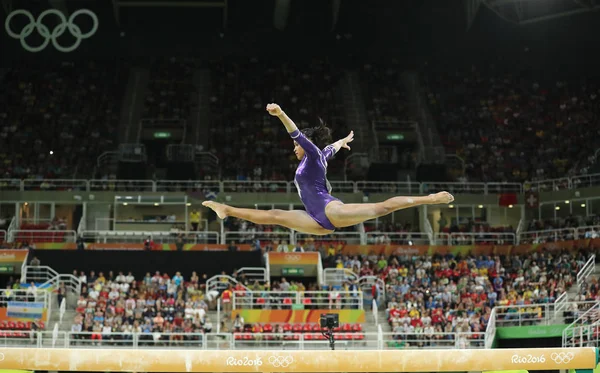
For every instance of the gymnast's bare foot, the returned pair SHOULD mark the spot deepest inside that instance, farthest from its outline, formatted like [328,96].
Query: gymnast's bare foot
[442,197]
[219,208]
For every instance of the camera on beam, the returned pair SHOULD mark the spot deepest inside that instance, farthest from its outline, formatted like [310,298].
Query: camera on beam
[330,320]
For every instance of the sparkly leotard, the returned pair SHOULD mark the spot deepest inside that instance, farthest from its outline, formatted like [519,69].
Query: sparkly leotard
[311,179]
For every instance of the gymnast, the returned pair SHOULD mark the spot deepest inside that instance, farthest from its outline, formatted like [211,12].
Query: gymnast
[324,213]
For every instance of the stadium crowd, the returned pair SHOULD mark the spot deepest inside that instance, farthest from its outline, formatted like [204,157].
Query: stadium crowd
[55,120]
[509,126]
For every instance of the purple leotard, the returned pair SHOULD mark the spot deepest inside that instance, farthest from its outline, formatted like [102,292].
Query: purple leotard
[311,179]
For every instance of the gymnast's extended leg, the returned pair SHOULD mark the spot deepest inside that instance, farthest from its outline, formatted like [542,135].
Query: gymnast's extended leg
[346,215]
[293,219]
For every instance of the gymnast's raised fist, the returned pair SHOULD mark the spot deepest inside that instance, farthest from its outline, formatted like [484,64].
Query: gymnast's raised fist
[274,110]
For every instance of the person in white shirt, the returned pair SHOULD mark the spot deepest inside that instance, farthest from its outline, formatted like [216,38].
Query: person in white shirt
[120,278]
[124,287]
[82,278]
[31,292]
[94,294]
[129,278]
[114,294]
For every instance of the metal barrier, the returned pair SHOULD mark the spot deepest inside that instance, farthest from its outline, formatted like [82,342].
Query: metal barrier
[585,271]
[244,341]
[338,276]
[549,185]
[199,237]
[188,185]
[122,186]
[398,238]
[587,231]
[49,278]
[55,184]
[335,299]
[353,238]
[256,186]
[470,238]
[433,340]
[221,282]
[41,236]
[539,314]
[399,188]
[253,274]
[249,236]
[550,235]
[572,334]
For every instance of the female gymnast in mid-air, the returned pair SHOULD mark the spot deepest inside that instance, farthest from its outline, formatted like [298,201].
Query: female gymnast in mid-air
[324,213]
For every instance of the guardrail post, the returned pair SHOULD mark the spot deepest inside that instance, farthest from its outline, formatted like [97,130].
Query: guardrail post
[135,340]
[153,185]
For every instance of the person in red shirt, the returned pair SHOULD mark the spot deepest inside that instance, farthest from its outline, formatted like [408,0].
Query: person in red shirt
[226,299]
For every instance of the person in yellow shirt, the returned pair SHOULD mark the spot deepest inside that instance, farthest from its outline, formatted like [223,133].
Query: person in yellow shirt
[195,219]
[414,313]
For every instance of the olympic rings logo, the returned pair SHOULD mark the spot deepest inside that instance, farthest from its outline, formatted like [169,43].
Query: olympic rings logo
[562,357]
[44,31]
[281,361]
[292,258]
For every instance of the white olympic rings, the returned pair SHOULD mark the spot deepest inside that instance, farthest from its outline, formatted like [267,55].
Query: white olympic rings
[292,258]
[44,31]
[561,357]
[281,361]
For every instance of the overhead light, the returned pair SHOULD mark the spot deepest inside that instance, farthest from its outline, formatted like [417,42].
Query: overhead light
[157,204]
[557,208]
[567,202]
[583,205]
[451,206]
[510,206]
[188,204]
[125,204]
[480,206]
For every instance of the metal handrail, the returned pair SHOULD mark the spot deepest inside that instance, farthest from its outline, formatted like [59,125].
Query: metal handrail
[410,188]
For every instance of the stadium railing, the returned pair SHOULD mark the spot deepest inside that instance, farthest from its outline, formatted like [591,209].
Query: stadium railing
[398,238]
[538,314]
[254,341]
[403,188]
[47,278]
[287,299]
[37,235]
[574,334]
[585,271]
[41,295]
[550,235]
[250,236]
[199,237]
[352,238]
[476,238]
[253,274]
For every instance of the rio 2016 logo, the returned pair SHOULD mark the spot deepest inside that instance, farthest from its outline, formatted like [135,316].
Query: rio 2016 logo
[244,362]
[527,359]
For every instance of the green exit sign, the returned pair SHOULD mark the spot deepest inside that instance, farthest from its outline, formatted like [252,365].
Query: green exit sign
[292,272]
[395,136]
[7,269]
[162,135]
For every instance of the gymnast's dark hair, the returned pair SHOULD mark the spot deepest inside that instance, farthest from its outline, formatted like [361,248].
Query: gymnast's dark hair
[319,135]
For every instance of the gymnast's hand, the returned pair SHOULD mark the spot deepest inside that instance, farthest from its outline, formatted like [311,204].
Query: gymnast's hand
[274,110]
[347,139]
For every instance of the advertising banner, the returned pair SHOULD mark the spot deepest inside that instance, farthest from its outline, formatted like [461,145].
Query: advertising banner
[298,316]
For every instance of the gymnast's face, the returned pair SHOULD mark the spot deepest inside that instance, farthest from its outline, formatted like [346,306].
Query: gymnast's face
[298,151]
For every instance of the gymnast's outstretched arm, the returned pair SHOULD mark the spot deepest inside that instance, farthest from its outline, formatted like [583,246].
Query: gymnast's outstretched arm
[275,110]
[331,150]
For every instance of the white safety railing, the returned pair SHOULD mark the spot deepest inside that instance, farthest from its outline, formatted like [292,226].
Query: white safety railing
[585,271]
[185,237]
[354,238]
[550,235]
[256,186]
[62,309]
[549,185]
[243,341]
[335,299]
[572,335]
[398,238]
[441,238]
[398,188]
[42,236]
[591,231]
[24,295]
[482,238]
[187,185]
[375,311]
[253,274]
[47,278]
[490,330]
[55,185]
[250,236]
[561,303]
[55,335]
[221,282]
[433,340]
[338,276]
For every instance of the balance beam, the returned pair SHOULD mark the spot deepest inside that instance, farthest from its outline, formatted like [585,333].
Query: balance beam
[180,360]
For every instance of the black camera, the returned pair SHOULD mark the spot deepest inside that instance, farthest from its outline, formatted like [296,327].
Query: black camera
[330,320]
